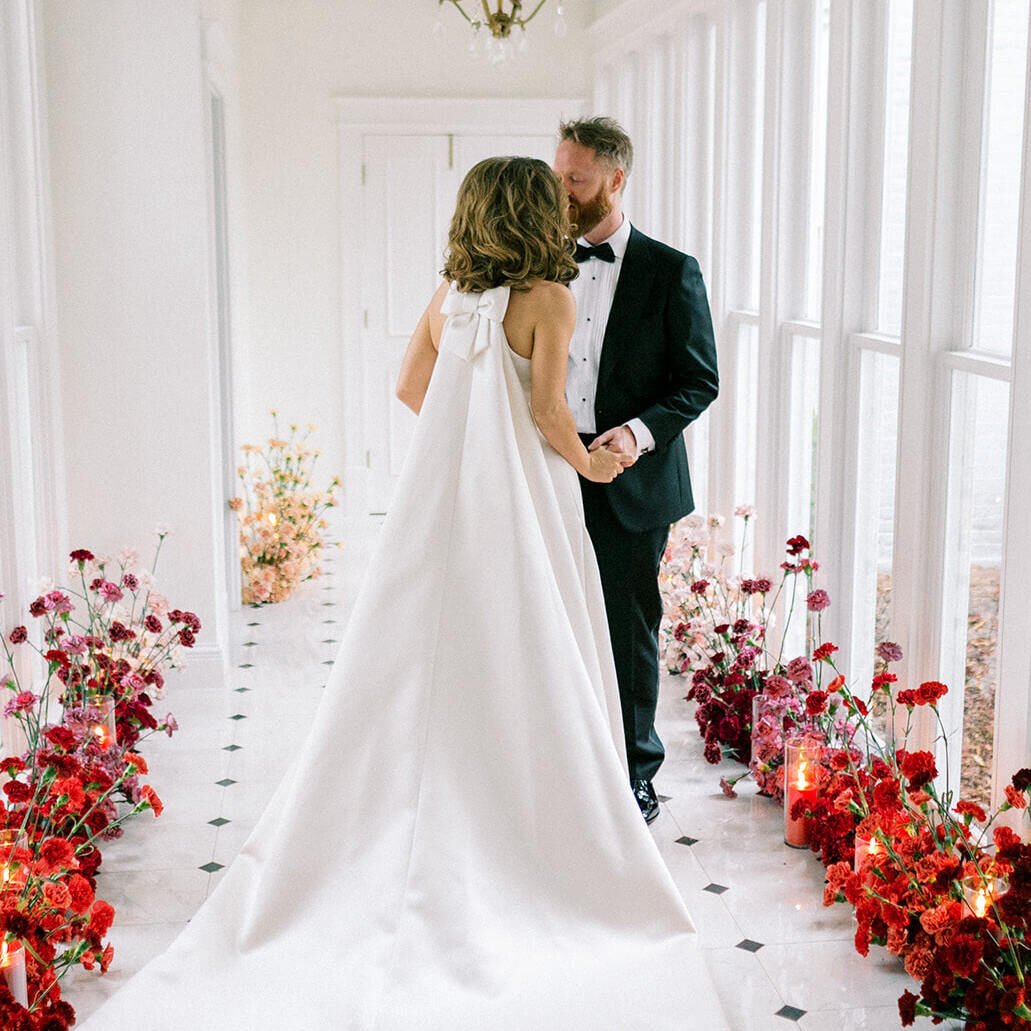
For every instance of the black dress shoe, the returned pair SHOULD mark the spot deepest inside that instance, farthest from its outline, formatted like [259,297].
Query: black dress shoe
[645,795]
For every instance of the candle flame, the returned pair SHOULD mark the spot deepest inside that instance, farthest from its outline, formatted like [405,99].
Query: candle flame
[802,780]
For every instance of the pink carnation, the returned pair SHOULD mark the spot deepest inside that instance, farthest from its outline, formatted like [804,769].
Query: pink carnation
[818,600]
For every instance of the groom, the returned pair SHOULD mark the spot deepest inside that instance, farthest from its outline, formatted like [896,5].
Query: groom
[642,366]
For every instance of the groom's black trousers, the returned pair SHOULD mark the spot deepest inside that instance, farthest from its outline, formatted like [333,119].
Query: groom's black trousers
[629,565]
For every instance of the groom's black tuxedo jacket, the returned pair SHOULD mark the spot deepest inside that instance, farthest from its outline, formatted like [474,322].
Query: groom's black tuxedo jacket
[658,363]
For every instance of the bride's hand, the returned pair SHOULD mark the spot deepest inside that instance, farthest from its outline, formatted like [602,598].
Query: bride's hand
[605,465]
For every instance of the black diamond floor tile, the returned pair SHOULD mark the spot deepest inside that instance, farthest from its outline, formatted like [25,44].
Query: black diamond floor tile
[748,945]
[329,662]
[329,621]
[225,782]
[219,821]
[254,624]
[238,716]
[329,604]
[330,640]
[716,889]
[232,748]
[210,867]
[250,644]
[246,665]
[240,690]
[685,840]
[790,1013]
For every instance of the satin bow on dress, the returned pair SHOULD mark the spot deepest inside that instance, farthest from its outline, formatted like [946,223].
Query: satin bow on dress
[462,310]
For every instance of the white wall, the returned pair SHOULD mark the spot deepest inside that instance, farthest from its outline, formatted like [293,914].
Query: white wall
[295,57]
[130,202]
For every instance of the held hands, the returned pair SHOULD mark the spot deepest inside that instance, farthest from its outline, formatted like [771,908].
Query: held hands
[605,465]
[620,439]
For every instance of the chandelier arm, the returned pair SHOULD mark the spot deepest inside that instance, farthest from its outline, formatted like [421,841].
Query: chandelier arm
[488,16]
[458,6]
[529,17]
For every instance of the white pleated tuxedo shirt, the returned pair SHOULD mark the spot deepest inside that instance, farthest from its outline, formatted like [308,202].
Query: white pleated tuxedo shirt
[594,290]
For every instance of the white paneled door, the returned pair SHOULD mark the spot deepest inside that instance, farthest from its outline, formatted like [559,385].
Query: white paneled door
[410,185]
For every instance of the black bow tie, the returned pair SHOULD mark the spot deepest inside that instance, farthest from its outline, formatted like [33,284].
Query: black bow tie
[603,252]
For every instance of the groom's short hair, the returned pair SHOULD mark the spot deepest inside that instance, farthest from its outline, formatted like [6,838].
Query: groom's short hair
[605,136]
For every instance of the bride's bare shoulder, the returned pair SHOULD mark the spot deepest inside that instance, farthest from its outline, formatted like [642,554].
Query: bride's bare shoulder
[546,299]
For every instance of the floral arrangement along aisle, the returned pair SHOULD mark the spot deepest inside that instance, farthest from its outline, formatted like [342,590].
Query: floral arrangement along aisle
[281,516]
[932,878]
[102,649]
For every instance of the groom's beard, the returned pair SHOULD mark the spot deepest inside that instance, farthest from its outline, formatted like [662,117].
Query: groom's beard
[591,213]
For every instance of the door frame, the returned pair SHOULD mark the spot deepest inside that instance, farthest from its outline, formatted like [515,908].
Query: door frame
[357,117]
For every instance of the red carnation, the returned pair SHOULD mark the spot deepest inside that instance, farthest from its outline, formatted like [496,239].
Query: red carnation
[101,918]
[907,698]
[1015,798]
[150,796]
[37,608]
[56,854]
[929,692]
[1022,780]
[816,702]
[972,809]
[825,651]
[818,600]
[699,586]
[81,555]
[796,545]
[80,893]
[918,768]
[18,634]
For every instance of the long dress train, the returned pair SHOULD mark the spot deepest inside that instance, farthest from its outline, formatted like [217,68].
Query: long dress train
[457,847]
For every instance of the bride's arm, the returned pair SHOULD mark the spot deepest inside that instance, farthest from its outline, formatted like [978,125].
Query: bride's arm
[549,363]
[417,364]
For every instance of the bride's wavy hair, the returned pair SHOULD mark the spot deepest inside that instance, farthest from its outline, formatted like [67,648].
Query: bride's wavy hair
[510,227]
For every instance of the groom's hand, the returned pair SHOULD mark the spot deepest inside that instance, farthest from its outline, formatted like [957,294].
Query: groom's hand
[620,439]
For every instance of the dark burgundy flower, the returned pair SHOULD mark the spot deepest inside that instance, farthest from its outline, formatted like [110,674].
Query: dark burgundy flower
[907,1008]
[18,634]
[796,545]
[153,624]
[1022,780]
[129,582]
[81,555]
[712,752]
[818,600]
[699,586]
[37,608]
[763,585]
[186,638]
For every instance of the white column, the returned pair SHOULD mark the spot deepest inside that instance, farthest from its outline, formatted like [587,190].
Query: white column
[138,355]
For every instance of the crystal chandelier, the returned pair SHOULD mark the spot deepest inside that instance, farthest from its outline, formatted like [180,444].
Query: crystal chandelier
[498,41]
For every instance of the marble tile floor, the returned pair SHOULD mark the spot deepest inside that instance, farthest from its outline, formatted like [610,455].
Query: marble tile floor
[778,957]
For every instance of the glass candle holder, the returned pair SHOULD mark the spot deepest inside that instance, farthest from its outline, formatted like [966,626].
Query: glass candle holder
[801,784]
[980,893]
[13,873]
[102,724]
[12,965]
[867,850]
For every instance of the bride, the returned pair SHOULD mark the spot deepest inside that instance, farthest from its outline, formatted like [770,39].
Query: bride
[457,847]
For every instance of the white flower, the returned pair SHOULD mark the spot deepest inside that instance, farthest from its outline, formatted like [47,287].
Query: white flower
[129,557]
[162,529]
[745,511]
[725,548]
[44,585]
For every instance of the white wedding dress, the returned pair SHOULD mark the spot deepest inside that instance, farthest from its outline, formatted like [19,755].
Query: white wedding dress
[457,848]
